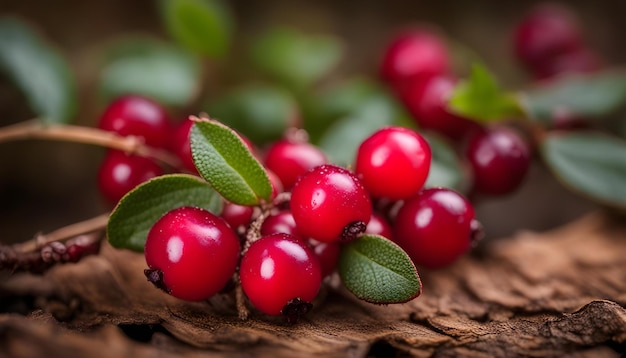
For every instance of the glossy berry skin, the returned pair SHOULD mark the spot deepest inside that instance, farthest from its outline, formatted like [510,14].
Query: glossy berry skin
[281,222]
[412,55]
[289,159]
[378,225]
[138,116]
[328,254]
[180,144]
[393,163]
[499,159]
[237,215]
[329,203]
[278,269]
[119,173]
[195,251]
[546,32]
[434,227]
[426,100]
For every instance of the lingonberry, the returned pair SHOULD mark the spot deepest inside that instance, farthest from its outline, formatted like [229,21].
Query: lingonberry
[237,215]
[329,203]
[413,54]
[281,222]
[328,254]
[290,159]
[582,60]
[435,227]
[393,163]
[277,184]
[138,116]
[119,173]
[499,159]
[180,144]
[280,275]
[426,100]
[191,253]
[378,225]
[546,32]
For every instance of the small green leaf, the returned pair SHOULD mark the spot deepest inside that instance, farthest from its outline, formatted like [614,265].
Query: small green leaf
[592,164]
[480,98]
[588,96]
[223,159]
[202,26]
[445,167]
[294,58]
[38,70]
[135,214]
[377,270]
[152,68]
[260,112]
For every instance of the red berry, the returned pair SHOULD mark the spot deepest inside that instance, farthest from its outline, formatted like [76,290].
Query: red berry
[137,116]
[237,215]
[180,144]
[191,253]
[546,32]
[329,203]
[435,227]
[280,275]
[412,55]
[578,61]
[119,173]
[277,185]
[328,254]
[426,100]
[393,163]
[378,225]
[290,159]
[281,222]
[499,158]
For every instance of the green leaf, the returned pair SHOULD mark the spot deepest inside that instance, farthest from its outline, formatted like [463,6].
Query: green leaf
[152,68]
[588,96]
[377,270]
[135,214]
[480,98]
[342,139]
[38,70]
[223,159]
[260,112]
[592,164]
[202,26]
[296,59]
[445,167]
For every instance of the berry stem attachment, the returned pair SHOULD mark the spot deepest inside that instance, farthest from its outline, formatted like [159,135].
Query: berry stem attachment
[35,129]
[240,300]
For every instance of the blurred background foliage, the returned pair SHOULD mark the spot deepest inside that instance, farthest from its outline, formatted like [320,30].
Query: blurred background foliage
[45,185]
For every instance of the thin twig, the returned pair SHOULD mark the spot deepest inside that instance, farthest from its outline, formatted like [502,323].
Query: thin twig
[35,129]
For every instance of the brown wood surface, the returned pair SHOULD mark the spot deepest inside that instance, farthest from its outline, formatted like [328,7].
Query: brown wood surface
[556,293]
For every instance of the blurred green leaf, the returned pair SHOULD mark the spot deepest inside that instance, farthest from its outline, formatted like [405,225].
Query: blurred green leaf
[260,112]
[479,97]
[202,26]
[590,163]
[138,210]
[377,270]
[296,59]
[38,70]
[152,68]
[587,96]
[223,159]
[445,167]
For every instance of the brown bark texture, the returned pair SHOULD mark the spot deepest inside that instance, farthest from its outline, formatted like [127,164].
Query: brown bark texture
[558,293]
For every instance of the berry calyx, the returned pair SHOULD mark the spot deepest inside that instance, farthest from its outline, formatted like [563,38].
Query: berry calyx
[191,253]
[435,227]
[412,55]
[290,159]
[393,163]
[137,116]
[119,173]
[280,275]
[329,203]
[499,158]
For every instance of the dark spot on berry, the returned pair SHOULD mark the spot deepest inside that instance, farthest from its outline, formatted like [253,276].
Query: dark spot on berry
[156,277]
[352,230]
[295,309]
